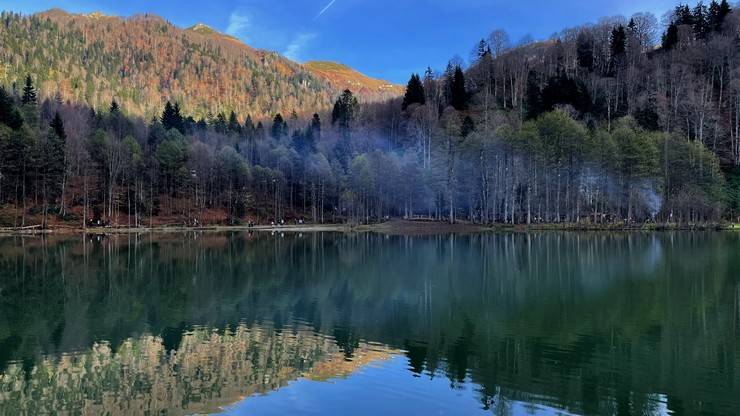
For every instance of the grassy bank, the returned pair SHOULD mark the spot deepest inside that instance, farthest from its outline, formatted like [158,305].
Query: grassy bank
[172,229]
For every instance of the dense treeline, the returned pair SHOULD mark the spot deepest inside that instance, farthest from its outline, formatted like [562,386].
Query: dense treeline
[103,167]
[602,123]
[602,120]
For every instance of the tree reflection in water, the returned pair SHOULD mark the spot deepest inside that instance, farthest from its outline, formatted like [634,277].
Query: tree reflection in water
[590,323]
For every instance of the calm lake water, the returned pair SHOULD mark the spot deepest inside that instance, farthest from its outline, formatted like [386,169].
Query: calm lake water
[539,323]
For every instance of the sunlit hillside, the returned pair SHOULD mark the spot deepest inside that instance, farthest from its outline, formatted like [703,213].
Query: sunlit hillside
[144,60]
[345,77]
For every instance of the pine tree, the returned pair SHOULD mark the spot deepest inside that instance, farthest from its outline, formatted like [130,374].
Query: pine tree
[316,127]
[279,127]
[219,124]
[562,89]
[171,118]
[168,116]
[17,157]
[458,93]
[534,96]
[467,127]
[670,37]
[717,14]
[617,47]
[248,129]
[259,131]
[429,84]
[343,114]
[683,16]
[234,126]
[414,92]
[53,161]
[482,50]
[701,23]
[309,137]
[618,42]
[57,127]
[448,75]
[29,92]
[248,124]
[345,109]
[178,119]
[114,108]
[585,51]
[428,75]
[9,115]
[54,152]
[724,11]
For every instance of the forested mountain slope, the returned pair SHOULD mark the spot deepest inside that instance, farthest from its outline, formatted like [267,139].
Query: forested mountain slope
[657,108]
[144,61]
[344,77]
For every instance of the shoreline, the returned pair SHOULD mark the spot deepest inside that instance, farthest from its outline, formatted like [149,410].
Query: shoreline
[394,227]
[169,229]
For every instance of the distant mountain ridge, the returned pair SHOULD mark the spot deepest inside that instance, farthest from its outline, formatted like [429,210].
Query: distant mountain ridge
[343,76]
[337,74]
[143,60]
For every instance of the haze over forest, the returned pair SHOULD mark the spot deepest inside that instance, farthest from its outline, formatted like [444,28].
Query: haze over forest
[135,122]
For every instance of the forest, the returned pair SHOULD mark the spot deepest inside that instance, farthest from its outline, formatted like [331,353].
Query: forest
[623,121]
[143,60]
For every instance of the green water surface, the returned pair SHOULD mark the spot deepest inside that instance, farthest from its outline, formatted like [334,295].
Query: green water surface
[324,323]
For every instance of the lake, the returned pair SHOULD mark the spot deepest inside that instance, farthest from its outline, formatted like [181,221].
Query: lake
[367,324]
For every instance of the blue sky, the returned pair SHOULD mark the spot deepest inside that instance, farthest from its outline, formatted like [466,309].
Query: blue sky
[387,39]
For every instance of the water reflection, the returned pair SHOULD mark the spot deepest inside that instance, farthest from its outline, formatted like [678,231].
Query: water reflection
[586,323]
[207,370]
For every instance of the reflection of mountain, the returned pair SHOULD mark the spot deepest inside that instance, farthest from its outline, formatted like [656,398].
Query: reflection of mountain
[207,371]
[592,323]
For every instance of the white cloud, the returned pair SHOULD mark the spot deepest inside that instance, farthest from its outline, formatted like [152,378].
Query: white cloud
[296,46]
[238,24]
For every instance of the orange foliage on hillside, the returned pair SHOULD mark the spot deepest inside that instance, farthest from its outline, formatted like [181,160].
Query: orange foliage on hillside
[143,61]
[345,77]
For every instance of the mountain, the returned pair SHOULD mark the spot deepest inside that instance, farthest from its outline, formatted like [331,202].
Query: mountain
[337,75]
[142,61]
[342,76]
